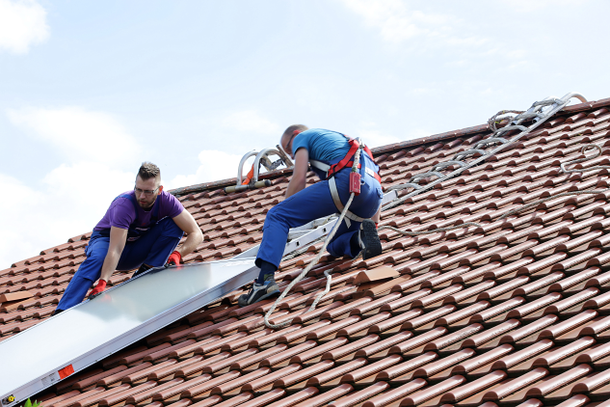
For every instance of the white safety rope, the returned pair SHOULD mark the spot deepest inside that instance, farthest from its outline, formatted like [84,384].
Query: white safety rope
[534,112]
[315,260]
[563,166]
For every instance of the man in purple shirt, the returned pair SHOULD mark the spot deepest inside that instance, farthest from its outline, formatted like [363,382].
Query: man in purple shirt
[140,230]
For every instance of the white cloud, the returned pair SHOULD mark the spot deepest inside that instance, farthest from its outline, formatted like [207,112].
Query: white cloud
[393,18]
[215,165]
[397,22]
[22,24]
[78,134]
[76,199]
[528,6]
[74,196]
[471,41]
[250,121]
[374,138]
[69,201]
[88,186]
[19,224]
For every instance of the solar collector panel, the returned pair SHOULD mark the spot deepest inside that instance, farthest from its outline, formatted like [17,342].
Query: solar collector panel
[79,337]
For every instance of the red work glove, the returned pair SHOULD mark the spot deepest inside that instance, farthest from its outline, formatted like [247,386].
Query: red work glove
[101,286]
[174,258]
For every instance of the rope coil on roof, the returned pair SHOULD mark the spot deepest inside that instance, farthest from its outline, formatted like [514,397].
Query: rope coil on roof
[403,186]
[468,153]
[490,141]
[584,150]
[442,166]
[501,116]
[427,175]
[531,204]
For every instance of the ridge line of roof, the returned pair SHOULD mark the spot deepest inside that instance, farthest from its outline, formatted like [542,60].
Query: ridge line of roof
[375,150]
[580,107]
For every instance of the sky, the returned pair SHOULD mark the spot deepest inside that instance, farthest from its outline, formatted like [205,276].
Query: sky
[91,89]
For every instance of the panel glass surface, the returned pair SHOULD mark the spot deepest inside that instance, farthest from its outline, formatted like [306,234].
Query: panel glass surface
[52,344]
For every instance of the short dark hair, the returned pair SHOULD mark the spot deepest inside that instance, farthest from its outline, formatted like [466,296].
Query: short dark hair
[149,170]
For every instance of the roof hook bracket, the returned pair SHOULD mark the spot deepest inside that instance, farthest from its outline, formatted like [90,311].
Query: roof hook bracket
[251,180]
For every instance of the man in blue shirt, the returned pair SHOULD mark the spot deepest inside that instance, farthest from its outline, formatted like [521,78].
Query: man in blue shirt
[320,148]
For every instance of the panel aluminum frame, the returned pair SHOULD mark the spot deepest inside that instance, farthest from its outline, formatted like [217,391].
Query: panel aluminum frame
[44,354]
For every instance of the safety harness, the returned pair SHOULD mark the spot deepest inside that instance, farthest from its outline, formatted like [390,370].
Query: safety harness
[353,159]
[346,162]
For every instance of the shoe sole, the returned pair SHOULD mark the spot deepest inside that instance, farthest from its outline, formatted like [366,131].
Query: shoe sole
[372,244]
[263,297]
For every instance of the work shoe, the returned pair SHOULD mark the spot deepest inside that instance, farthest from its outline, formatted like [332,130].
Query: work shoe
[369,239]
[259,292]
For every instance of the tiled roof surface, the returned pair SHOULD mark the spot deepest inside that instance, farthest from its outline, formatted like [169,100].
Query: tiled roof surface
[515,312]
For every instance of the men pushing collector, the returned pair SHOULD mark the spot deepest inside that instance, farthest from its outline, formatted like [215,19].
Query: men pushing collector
[140,230]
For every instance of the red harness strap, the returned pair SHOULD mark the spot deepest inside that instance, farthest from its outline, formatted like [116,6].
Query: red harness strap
[347,161]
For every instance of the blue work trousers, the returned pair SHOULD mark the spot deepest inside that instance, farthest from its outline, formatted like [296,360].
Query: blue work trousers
[316,202]
[152,248]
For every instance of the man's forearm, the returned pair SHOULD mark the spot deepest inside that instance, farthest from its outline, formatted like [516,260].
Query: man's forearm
[109,266]
[294,186]
[190,243]
[299,174]
[194,237]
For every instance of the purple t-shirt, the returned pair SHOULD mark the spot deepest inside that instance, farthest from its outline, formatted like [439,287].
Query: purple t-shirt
[121,213]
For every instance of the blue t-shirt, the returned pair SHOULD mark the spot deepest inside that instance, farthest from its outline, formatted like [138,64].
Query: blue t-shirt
[322,145]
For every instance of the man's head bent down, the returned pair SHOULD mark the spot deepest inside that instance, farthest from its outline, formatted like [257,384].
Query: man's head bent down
[289,134]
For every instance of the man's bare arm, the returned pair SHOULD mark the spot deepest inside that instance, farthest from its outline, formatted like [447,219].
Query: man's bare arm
[194,237]
[299,174]
[118,237]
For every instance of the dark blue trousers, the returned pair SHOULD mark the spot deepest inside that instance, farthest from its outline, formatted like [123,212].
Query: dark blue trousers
[316,202]
[153,249]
